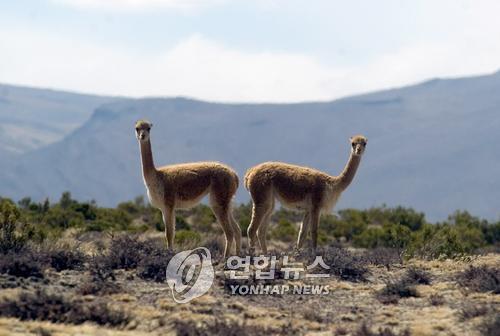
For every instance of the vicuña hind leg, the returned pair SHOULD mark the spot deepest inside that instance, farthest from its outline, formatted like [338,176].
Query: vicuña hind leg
[262,230]
[262,203]
[221,212]
[236,232]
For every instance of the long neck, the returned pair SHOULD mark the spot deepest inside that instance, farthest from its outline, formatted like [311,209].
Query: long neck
[347,175]
[148,166]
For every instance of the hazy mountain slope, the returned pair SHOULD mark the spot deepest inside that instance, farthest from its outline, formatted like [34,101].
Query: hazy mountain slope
[31,118]
[433,146]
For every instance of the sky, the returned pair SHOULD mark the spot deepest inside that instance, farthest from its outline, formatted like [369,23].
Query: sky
[244,50]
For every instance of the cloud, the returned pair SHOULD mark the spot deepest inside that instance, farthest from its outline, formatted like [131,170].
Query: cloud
[139,4]
[202,68]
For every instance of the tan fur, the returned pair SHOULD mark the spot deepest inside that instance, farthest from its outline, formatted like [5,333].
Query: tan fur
[299,188]
[183,186]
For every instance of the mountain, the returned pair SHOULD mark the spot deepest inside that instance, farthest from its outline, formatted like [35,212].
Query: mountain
[433,146]
[31,118]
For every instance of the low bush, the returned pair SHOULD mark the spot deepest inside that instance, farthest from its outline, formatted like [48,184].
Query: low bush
[153,266]
[343,264]
[365,330]
[417,276]
[284,230]
[490,325]
[471,310]
[126,251]
[187,238]
[45,306]
[436,300]
[480,279]
[100,281]
[63,258]
[21,264]
[404,287]
[219,326]
[383,256]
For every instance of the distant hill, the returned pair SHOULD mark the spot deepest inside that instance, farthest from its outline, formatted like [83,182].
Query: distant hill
[433,146]
[31,118]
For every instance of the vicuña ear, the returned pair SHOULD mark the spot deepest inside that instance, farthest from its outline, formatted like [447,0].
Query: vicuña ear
[350,139]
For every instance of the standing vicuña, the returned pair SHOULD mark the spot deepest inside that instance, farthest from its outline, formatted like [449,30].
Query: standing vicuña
[184,185]
[299,188]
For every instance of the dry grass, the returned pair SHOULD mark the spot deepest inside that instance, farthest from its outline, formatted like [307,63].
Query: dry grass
[430,299]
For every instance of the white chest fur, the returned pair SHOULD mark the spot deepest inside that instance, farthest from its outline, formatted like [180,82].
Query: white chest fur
[155,192]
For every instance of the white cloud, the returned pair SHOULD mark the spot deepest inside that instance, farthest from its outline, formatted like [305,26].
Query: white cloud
[140,4]
[201,68]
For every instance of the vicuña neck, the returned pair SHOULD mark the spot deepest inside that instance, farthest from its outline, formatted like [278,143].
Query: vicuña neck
[347,175]
[148,166]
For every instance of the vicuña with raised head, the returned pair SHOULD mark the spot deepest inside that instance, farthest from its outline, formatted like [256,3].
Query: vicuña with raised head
[298,188]
[182,186]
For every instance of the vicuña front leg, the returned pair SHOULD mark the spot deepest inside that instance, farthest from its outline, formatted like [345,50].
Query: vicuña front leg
[304,228]
[169,221]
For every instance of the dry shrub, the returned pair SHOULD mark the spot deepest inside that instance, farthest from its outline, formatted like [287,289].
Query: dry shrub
[365,330]
[383,256]
[21,264]
[126,251]
[153,266]
[417,276]
[481,279]
[63,258]
[343,264]
[404,287]
[100,281]
[471,310]
[436,300]
[55,308]
[226,327]
[490,325]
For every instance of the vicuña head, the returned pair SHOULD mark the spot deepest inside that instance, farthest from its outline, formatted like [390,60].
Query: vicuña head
[183,186]
[358,143]
[298,188]
[142,129]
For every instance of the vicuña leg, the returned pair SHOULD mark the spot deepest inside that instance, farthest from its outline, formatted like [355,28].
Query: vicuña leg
[221,212]
[304,228]
[169,221]
[262,230]
[236,232]
[262,202]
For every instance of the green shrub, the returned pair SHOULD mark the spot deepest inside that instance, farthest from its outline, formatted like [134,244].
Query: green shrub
[202,218]
[243,215]
[13,233]
[284,231]
[187,238]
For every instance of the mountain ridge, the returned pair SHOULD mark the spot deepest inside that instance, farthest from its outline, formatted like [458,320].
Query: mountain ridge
[425,145]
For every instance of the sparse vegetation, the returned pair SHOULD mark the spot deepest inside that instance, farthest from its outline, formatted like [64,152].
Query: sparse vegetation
[365,330]
[90,255]
[22,264]
[45,306]
[481,279]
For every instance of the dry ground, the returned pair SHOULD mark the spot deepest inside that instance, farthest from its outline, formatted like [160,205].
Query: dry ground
[341,312]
